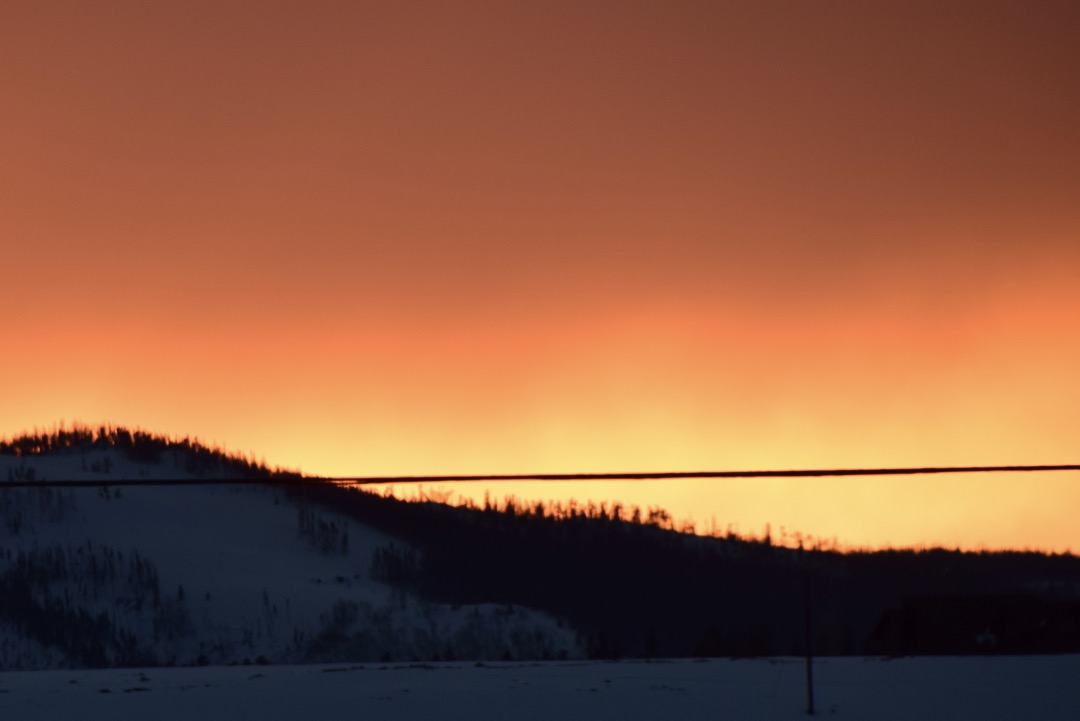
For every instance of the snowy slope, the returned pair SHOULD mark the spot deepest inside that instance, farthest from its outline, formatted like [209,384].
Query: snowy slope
[214,574]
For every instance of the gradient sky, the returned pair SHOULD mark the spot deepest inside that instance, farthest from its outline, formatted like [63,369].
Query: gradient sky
[484,237]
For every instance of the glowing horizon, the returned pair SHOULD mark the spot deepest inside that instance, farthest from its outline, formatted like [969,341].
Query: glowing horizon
[780,503]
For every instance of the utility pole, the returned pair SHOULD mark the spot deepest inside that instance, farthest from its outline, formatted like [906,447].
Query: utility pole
[809,638]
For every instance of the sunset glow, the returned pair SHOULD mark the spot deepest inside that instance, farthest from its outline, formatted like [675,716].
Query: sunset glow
[478,237]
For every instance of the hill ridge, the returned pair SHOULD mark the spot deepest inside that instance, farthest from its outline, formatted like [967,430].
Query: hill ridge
[137,445]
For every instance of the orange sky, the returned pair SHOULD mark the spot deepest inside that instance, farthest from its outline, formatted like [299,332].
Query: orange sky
[397,238]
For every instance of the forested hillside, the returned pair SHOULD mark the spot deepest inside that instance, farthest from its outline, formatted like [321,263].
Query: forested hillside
[295,569]
[633,586]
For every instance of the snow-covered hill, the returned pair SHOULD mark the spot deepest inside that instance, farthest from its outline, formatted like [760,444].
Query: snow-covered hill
[201,574]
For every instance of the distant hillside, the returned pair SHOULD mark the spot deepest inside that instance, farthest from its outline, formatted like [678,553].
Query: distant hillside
[635,587]
[152,575]
[297,570]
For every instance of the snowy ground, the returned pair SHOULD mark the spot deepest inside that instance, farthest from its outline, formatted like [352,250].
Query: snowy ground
[979,688]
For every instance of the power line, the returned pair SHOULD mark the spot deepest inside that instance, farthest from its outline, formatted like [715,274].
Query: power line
[287,480]
[664,475]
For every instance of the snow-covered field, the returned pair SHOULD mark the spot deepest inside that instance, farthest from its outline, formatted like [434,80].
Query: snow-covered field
[978,688]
